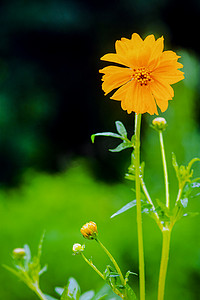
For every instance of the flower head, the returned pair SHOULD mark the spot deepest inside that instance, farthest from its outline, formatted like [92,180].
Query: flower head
[89,230]
[78,248]
[159,124]
[19,253]
[145,76]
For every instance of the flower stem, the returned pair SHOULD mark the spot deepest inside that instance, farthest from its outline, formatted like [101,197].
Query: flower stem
[93,266]
[138,207]
[34,286]
[164,168]
[113,261]
[166,234]
[39,293]
[179,195]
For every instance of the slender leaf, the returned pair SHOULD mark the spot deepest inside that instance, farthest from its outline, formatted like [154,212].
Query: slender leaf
[111,134]
[40,245]
[43,270]
[121,147]
[59,290]
[184,202]
[130,293]
[129,273]
[27,257]
[87,295]
[121,129]
[106,293]
[16,273]
[48,297]
[192,190]
[146,207]
[71,291]
[124,208]
[191,214]
[129,177]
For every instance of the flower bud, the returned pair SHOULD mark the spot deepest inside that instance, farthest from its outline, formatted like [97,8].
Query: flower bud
[19,253]
[77,248]
[89,230]
[159,124]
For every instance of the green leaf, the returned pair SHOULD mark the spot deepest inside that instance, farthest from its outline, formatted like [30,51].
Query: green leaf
[48,297]
[191,214]
[128,273]
[16,273]
[106,293]
[59,290]
[184,202]
[40,245]
[121,129]
[124,208]
[27,257]
[71,291]
[34,269]
[121,147]
[162,211]
[43,270]
[87,295]
[111,134]
[174,163]
[145,206]
[192,190]
[130,295]
[129,177]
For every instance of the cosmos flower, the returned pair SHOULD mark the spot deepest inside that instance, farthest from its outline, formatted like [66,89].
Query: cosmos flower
[144,78]
[89,230]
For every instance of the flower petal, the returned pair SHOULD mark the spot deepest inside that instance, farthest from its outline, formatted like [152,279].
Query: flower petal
[162,104]
[170,75]
[113,57]
[147,102]
[162,90]
[114,77]
[136,40]
[136,98]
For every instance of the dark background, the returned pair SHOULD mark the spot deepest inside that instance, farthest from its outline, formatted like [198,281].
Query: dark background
[50,89]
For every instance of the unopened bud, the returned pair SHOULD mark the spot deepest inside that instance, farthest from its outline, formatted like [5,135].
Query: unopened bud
[77,248]
[89,230]
[159,124]
[19,253]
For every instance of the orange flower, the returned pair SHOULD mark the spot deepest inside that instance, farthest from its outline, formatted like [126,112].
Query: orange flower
[89,230]
[146,74]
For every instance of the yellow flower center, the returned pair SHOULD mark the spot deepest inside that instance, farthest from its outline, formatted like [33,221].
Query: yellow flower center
[142,75]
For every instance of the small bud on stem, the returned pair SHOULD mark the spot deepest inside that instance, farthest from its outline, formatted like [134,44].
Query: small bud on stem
[89,230]
[159,124]
[78,248]
[19,253]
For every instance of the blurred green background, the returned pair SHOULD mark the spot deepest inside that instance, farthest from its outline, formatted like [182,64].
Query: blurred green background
[52,177]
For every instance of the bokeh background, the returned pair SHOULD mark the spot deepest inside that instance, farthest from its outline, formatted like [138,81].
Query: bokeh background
[52,177]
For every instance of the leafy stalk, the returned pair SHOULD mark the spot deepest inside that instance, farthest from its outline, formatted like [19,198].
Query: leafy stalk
[93,266]
[113,261]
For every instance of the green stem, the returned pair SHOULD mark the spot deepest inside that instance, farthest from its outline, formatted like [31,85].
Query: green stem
[39,293]
[164,168]
[113,261]
[93,266]
[164,263]
[138,207]
[148,196]
[179,195]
